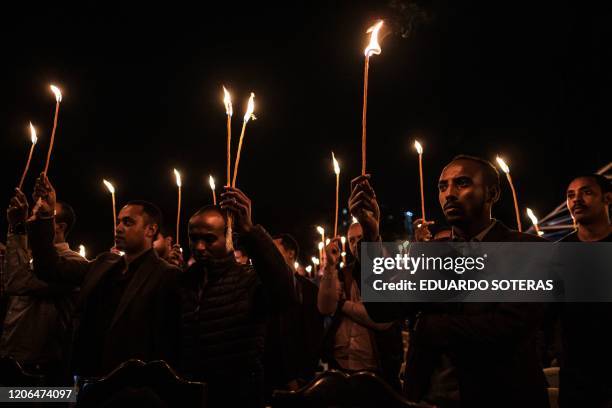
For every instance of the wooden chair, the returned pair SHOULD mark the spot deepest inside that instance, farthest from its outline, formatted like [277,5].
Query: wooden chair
[13,375]
[153,384]
[337,389]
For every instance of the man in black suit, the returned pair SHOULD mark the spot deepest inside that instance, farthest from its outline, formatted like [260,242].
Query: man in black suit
[128,305]
[464,354]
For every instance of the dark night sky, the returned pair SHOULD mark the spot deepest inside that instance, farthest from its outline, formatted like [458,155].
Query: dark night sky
[142,94]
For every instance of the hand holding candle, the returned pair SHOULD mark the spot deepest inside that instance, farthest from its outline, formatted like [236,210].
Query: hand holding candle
[373,48]
[58,99]
[34,139]
[419,150]
[506,169]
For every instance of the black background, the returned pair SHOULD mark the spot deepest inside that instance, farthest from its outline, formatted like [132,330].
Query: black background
[142,94]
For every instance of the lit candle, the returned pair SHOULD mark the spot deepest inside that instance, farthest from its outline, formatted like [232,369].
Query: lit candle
[327,241]
[296,265]
[419,150]
[343,241]
[309,270]
[27,167]
[247,116]
[506,169]
[534,221]
[211,182]
[373,48]
[354,220]
[321,251]
[82,251]
[58,98]
[321,231]
[337,171]
[111,190]
[177,175]
[227,100]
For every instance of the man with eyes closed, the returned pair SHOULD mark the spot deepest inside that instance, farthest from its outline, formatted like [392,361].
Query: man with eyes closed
[225,305]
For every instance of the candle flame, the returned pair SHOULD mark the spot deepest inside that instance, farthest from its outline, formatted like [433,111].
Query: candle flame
[418,147]
[227,100]
[315,260]
[320,245]
[343,254]
[341,265]
[373,47]
[320,230]
[57,92]
[33,134]
[327,241]
[336,165]
[211,182]
[177,175]
[309,269]
[343,240]
[503,165]
[296,265]
[355,220]
[109,186]
[250,108]
[532,217]
[82,251]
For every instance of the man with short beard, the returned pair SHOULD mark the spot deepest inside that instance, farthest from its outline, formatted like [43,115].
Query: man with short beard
[585,376]
[225,305]
[128,305]
[464,354]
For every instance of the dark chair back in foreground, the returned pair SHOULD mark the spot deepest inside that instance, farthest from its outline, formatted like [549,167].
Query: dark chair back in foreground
[136,383]
[13,375]
[337,389]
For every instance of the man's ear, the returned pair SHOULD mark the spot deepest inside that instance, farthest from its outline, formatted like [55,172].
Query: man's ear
[493,193]
[62,225]
[152,230]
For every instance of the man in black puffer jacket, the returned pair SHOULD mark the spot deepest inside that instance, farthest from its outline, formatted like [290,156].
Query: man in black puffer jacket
[225,304]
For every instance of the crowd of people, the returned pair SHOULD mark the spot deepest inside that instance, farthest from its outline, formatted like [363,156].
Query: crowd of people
[244,320]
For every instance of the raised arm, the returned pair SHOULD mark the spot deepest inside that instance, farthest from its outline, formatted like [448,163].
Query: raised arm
[48,265]
[273,271]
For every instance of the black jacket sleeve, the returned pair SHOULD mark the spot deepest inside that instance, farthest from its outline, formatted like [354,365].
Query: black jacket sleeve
[48,265]
[273,271]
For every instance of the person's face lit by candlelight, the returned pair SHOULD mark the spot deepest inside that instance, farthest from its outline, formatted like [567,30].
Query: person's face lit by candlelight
[588,202]
[467,191]
[163,245]
[354,235]
[136,229]
[207,235]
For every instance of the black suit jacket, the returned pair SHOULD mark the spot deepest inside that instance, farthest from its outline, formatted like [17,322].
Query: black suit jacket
[145,324]
[491,345]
